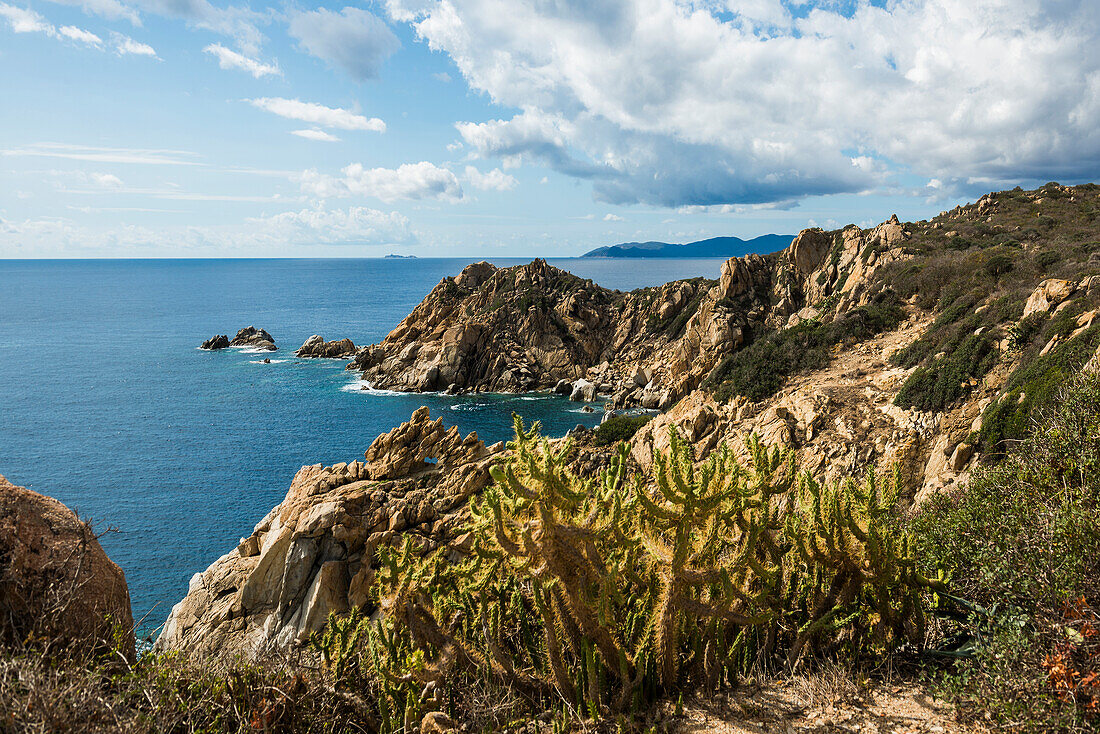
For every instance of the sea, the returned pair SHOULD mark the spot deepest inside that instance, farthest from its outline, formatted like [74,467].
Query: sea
[174,453]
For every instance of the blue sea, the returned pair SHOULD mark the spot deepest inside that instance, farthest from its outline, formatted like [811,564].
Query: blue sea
[175,453]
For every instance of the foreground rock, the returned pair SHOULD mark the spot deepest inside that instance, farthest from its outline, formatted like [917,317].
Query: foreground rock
[314,553]
[221,341]
[250,336]
[55,579]
[317,347]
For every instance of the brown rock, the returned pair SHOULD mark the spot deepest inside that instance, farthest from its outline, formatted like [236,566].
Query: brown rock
[56,578]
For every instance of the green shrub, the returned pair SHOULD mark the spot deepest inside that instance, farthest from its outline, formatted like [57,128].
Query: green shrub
[759,370]
[1021,547]
[619,428]
[947,378]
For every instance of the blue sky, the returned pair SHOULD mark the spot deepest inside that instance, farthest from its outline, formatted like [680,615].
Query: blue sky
[136,128]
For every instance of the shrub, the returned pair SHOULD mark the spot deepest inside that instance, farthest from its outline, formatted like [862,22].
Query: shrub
[1021,546]
[759,370]
[619,428]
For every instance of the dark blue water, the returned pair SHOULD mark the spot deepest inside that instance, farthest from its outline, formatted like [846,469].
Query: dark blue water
[108,406]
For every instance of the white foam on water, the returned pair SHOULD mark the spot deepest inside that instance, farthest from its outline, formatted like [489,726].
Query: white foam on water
[270,361]
[363,386]
[251,350]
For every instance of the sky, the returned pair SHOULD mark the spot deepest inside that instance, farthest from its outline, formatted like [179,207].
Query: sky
[480,128]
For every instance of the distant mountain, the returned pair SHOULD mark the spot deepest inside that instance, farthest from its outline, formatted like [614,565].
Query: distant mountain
[714,247]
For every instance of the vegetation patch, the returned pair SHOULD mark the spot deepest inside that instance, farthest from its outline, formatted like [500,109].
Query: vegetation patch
[1019,547]
[619,428]
[759,370]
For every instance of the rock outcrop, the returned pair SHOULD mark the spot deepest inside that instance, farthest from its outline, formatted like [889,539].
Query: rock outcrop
[221,341]
[55,579]
[535,327]
[255,338]
[317,347]
[315,552]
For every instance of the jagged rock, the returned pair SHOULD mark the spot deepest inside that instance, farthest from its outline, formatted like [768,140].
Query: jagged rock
[1050,293]
[313,553]
[436,722]
[55,578]
[473,275]
[316,346]
[221,341]
[250,336]
[583,390]
[564,387]
[808,250]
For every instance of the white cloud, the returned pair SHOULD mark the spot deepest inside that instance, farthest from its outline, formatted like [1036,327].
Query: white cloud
[80,35]
[442,76]
[352,39]
[712,102]
[303,229]
[124,45]
[106,180]
[104,154]
[494,180]
[229,59]
[315,134]
[109,9]
[421,180]
[316,114]
[609,217]
[25,20]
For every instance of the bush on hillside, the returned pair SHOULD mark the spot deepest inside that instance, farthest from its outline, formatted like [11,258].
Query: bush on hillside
[1021,546]
[759,370]
[619,428]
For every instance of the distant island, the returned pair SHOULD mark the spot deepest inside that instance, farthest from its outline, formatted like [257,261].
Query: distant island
[713,247]
[392,256]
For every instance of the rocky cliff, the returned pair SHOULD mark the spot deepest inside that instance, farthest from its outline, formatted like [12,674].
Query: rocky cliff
[313,553]
[529,327]
[923,345]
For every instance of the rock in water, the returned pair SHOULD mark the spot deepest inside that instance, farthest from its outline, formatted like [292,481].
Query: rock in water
[316,346]
[250,336]
[313,553]
[221,341]
[56,579]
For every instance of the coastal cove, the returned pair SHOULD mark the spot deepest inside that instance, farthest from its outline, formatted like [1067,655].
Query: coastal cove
[112,409]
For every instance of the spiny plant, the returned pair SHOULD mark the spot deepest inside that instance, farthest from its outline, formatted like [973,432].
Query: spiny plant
[603,592]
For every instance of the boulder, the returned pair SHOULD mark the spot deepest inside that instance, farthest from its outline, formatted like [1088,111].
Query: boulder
[564,387]
[807,252]
[317,347]
[1050,293]
[583,390]
[56,579]
[221,341]
[473,275]
[250,336]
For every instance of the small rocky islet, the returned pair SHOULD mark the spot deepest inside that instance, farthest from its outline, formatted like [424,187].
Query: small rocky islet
[908,349]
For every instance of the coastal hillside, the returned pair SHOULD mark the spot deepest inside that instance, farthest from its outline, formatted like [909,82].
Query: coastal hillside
[712,247]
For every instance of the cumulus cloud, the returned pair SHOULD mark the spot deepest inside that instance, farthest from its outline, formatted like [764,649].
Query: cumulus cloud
[494,180]
[421,180]
[229,59]
[609,217]
[714,102]
[315,134]
[353,40]
[315,114]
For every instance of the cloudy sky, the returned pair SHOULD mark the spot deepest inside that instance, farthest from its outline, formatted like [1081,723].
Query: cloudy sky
[522,127]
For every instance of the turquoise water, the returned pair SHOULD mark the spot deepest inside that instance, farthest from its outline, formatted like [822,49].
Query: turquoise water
[109,406]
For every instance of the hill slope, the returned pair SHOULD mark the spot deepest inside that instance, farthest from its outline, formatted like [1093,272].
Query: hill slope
[713,247]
